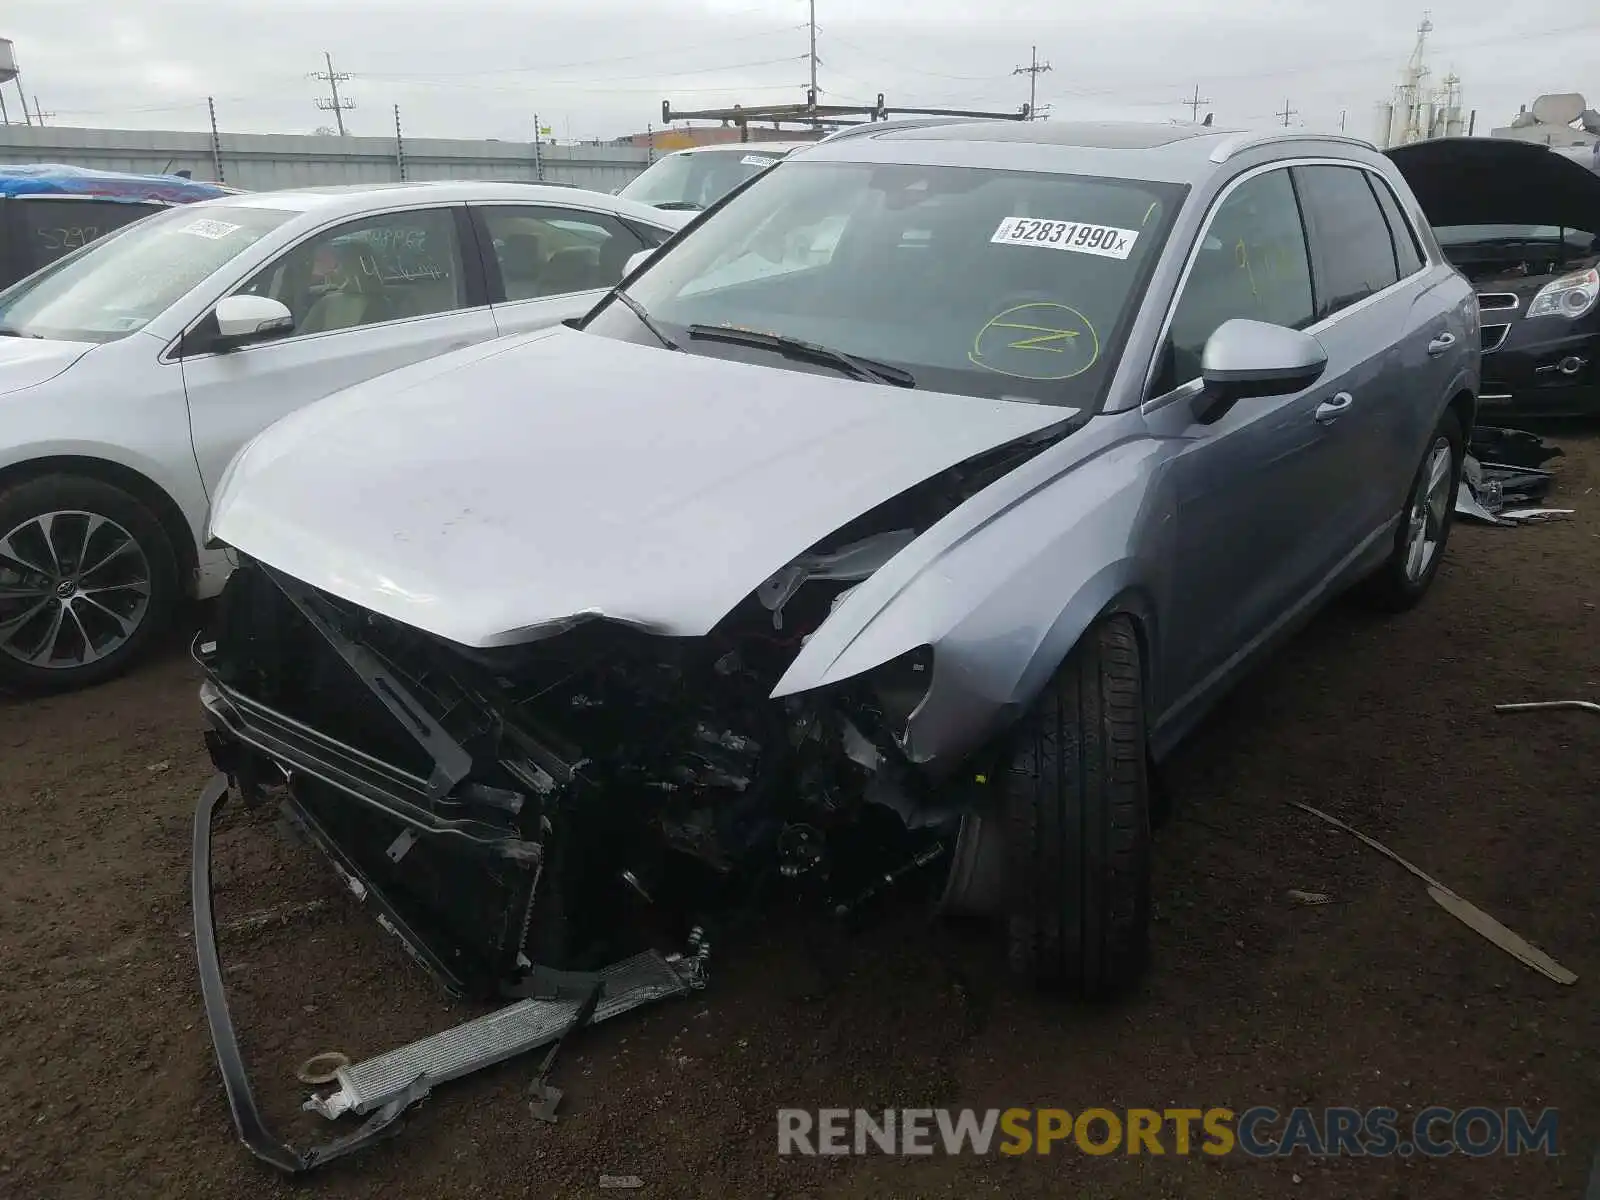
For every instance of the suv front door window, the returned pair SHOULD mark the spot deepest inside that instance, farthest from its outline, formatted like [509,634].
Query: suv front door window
[1252,263]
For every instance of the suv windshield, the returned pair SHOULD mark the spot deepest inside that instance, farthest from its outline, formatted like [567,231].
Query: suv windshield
[984,282]
[698,179]
[118,284]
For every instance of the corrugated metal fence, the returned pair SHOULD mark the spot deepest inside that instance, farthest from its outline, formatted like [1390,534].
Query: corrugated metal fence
[264,161]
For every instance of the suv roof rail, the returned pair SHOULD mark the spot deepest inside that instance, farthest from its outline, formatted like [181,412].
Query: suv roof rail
[868,127]
[1240,142]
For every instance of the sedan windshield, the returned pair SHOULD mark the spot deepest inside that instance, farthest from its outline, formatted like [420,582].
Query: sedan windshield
[697,180]
[118,284]
[984,282]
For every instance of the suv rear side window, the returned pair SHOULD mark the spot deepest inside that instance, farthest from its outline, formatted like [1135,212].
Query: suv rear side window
[1252,263]
[1350,240]
[1408,258]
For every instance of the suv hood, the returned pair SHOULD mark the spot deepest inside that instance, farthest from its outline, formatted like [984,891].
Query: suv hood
[492,495]
[1499,181]
[26,362]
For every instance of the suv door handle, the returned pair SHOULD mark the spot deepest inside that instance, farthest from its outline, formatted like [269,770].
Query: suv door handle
[1330,411]
[1441,343]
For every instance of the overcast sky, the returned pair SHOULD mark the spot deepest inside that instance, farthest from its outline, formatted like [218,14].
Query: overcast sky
[600,68]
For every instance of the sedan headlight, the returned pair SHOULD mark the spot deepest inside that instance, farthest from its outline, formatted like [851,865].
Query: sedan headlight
[1571,296]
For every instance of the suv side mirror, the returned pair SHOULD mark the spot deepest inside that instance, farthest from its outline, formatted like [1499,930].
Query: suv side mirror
[1244,359]
[242,320]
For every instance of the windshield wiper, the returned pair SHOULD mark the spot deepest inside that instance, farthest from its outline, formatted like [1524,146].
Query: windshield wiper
[7,331]
[645,319]
[860,368]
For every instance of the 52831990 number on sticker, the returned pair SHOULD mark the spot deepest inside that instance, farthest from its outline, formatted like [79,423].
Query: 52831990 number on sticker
[1108,241]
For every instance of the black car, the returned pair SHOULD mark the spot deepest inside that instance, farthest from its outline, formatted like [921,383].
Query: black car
[48,210]
[1537,277]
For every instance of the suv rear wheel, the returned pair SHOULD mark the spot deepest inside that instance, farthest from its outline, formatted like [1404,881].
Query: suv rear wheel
[1077,823]
[1425,521]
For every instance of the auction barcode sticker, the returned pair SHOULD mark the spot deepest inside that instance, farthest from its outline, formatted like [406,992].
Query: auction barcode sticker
[755,160]
[1079,236]
[209,229]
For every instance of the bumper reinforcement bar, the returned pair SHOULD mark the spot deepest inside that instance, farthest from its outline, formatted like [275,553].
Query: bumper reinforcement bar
[383,1088]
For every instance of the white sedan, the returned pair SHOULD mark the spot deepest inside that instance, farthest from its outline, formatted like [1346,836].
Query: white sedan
[132,370]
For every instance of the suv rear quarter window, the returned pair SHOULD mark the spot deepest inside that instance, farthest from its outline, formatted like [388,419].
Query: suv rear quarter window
[1407,255]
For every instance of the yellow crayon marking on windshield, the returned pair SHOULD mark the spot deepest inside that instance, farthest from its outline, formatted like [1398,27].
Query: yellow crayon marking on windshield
[1145,220]
[1052,338]
[1045,334]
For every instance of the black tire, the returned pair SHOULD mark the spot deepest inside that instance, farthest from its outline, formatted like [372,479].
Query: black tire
[1077,824]
[34,498]
[1391,588]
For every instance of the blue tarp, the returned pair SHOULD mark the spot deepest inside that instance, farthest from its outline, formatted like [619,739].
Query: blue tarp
[56,179]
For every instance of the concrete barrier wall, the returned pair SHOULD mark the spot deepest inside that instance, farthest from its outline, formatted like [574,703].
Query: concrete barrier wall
[265,161]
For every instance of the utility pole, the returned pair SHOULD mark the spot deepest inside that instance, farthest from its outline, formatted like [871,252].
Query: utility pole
[813,92]
[1341,120]
[333,79]
[1194,104]
[1033,71]
[38,113]
[216,142]
[1287,113]
[27,118]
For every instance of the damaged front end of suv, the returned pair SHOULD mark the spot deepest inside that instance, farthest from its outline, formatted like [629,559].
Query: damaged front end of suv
[566,800]
[537,806]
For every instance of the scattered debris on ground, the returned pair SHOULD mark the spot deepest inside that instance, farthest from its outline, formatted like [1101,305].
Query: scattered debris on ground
[1463,910]
[1502,479]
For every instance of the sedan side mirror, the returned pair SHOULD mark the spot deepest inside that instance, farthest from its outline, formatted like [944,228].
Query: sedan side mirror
[242,320]
[638,260]
[1244,359]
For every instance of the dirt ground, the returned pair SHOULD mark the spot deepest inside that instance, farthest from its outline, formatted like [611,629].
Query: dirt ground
[108,1086]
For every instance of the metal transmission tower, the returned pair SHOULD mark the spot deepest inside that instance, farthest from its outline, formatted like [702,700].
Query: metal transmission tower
[1195,103]
[1287,112]
[1033,70]
[337,106]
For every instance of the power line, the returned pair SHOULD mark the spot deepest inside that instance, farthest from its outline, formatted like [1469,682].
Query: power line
[405,76]
[333,79]
[586,83]
[1033,70]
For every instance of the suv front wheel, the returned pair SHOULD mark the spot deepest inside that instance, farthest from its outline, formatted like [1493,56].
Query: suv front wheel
[1077,823]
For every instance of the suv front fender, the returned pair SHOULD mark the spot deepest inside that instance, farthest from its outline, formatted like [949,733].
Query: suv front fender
[1004,586]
